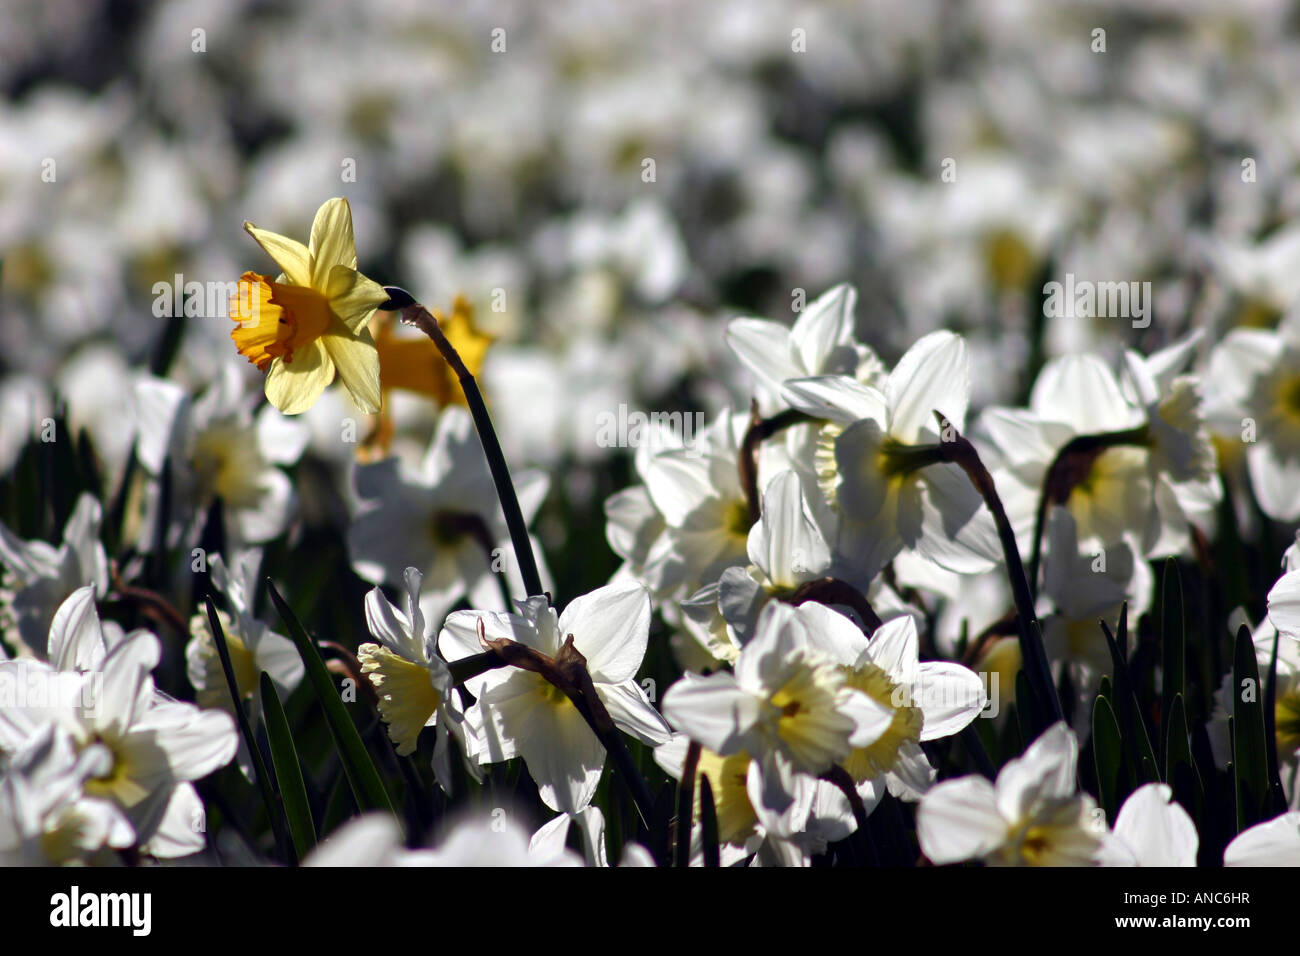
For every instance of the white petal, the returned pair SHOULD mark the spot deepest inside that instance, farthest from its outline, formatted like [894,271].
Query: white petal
[633,713]
[933,375]
[611,627]
[713,710]
[1157,830]
[950,697]
[765,349]
[958,820]
[1044,772]
[1275,843]
[836,398]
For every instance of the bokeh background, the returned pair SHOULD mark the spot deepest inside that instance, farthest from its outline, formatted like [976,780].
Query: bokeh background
[504,151]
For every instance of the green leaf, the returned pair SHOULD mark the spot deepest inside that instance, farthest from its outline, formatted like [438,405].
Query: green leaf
[1249,745]
[1025,715]
[1180,768]
[1173,640]
[288,772]
[1133,729]
[709,824]
[1108,753]
[366,784]
[265,784]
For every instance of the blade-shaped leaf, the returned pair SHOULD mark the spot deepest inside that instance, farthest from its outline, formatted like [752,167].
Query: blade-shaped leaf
[1133,729]
[1249,745]
[1108,753]
[288,772]
[265,784]
[367,786]
[1180,768]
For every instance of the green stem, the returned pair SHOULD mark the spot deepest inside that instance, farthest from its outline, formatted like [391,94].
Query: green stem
[417,315]
[962,453]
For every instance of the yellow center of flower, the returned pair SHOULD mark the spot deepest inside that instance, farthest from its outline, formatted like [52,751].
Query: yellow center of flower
[866,763]
[1009,261]
[1106,497]
[552,694]
[65,836]
[273,319]
[727,776]
[117,784]
[407,697]
[227,465]
[1286,720]
[736,519]
[1057,834]
[1288,397]
[1258,314]
[803,718]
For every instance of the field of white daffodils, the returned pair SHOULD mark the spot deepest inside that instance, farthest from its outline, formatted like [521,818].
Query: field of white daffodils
[755,433]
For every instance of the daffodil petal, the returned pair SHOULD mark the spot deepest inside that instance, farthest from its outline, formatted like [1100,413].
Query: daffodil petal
[332,243]
[294,388]
[289,254]
[357,361]
[352,296]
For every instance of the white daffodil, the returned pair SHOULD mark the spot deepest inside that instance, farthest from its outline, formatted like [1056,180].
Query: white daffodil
[45,817]
[412,681]
[749,830]
[1152,829]
[156,745]
[523,715]
[883,507]
[1032,815]
[1074,395]
[1084,588]
[253,646]
[786,548]
[788,705]
[215,448]
[1255,376]
[1275,842]
[446,521]
[1182,465]
[684,527]
[926,701]
[374,839]
[821,342]
[697,492]
[37,576]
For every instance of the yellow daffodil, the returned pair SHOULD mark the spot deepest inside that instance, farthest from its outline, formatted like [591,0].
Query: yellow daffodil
[414,364]
[311,321]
